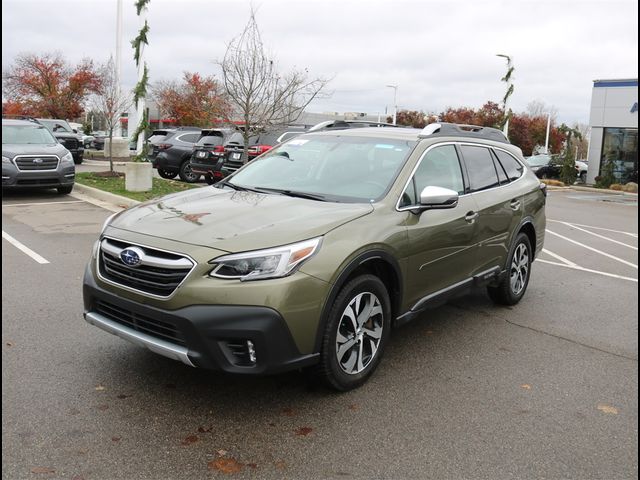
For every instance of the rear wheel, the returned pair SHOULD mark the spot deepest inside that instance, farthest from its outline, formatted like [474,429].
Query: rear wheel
[355,334]
[65,190]
[167,174]
[514,284]
[187,174]
[583,177]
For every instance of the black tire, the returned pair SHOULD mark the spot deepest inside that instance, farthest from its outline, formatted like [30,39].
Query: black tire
[186,174]
[508,292]
[166,174]
[77,160]
[209,179]
[583,177]
[330,369]
[65,190]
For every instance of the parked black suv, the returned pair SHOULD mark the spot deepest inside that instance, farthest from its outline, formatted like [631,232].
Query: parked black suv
[32,157]
[66,136]
[172,154]
[209,152]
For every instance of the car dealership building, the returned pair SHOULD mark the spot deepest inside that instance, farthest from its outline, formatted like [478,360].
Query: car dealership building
[614,130]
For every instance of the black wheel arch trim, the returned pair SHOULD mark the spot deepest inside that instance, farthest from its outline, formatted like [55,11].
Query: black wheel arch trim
[528,220]
[346,272]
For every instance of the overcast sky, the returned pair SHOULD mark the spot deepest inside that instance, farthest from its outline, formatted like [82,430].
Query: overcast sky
[438,53]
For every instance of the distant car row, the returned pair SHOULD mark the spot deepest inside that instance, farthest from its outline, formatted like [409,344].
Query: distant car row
[550,167]
[215,153]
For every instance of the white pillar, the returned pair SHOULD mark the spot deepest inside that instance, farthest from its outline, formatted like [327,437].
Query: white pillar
[118,130]
[546,141]
[141,101]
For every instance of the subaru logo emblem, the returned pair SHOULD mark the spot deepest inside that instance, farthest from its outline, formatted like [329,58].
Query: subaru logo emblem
[131,256]
[37,160]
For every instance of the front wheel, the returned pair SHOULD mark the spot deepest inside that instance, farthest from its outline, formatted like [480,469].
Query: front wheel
[356,333]
[166,174]
[65,190]
[512,287]
[187,174]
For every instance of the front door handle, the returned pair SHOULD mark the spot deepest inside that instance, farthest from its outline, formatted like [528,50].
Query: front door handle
[515,204]
[471,216]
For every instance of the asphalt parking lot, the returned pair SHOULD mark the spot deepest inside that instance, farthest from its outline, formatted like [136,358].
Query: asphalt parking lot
[545,389]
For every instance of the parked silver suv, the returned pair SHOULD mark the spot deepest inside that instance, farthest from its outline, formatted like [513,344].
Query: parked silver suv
[32,157]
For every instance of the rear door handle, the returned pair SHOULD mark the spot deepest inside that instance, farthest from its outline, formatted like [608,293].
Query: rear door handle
[515,204]
[471,216]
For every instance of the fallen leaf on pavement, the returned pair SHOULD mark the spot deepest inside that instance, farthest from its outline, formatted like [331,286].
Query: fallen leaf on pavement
[353,406]
[122,395]
[607,409]
[204,430]
[280,465]
[526,386]
[9,344]
[252,465]
[77,477]
[225,465]
[99,388]
[222,453]
[304,431]
[42,470]
[115,439]
[103,407]
[190,439]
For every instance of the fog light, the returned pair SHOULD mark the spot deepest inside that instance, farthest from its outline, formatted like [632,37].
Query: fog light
[252,351]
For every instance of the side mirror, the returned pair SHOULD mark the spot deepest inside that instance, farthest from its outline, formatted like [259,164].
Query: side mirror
[438,198]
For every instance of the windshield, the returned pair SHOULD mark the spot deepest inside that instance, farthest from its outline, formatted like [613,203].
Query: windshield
[56,125]
[26,134]
[349,169]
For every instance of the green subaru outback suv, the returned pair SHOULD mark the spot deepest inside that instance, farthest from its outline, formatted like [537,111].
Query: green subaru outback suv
[311,254]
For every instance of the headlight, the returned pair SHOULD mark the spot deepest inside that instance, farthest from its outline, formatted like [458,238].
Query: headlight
[6,160]
[68,158]
[260,264]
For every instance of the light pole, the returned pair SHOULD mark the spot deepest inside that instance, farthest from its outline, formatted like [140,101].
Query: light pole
[546,141]
[395,102]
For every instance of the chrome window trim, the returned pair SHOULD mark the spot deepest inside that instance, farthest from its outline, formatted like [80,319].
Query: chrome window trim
[135,290]
[179,137]
[38,156]
[411,207]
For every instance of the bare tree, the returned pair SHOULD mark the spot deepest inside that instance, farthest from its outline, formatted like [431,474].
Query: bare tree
[538,108]
[110,102]
[262,96]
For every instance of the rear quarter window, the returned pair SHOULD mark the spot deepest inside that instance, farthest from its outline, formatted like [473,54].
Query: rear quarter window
[512,166]
[482,172]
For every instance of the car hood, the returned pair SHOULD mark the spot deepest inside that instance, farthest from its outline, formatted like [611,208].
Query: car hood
[11,150]
[236,221]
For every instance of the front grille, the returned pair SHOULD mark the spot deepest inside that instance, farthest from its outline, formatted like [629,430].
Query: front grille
[37,181]
[70,143]
[141,323]
[35,162]
[159,273]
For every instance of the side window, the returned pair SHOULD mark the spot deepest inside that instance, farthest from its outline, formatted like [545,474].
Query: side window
[513,167]
[189,137]
[440,167]
[482,172]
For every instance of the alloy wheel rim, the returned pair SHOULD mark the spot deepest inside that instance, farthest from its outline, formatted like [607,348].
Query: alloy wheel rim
[359,333]
[519,269]
[189,173]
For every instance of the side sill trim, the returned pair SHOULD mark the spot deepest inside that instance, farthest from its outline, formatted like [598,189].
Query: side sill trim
[161,347]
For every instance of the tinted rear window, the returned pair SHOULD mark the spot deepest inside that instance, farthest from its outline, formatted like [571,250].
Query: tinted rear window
[482,173]
[210,140]
[512,166]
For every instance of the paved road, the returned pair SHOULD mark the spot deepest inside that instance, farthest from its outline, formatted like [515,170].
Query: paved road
[546,389]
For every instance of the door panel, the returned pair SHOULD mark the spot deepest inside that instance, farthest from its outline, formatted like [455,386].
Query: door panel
[441,249]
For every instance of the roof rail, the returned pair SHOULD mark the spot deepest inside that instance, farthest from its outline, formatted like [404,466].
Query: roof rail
[19,117]
[454,129]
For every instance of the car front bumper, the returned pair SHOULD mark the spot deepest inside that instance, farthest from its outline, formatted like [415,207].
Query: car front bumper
[14,178]
[209,336]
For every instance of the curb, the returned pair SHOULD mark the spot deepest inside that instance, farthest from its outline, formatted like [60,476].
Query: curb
[111,198]
[602,190]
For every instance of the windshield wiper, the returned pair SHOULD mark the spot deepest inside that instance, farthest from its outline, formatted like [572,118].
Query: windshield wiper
[238,188]
[293,193]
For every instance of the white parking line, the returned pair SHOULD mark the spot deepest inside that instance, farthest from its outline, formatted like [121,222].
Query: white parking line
[24,248]
[635,235]
[38,203]
[558,257]
[600,236]
[633,265]
[582,269]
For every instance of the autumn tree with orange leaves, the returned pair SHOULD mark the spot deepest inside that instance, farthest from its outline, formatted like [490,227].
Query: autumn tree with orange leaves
[48,86]
[195,101]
